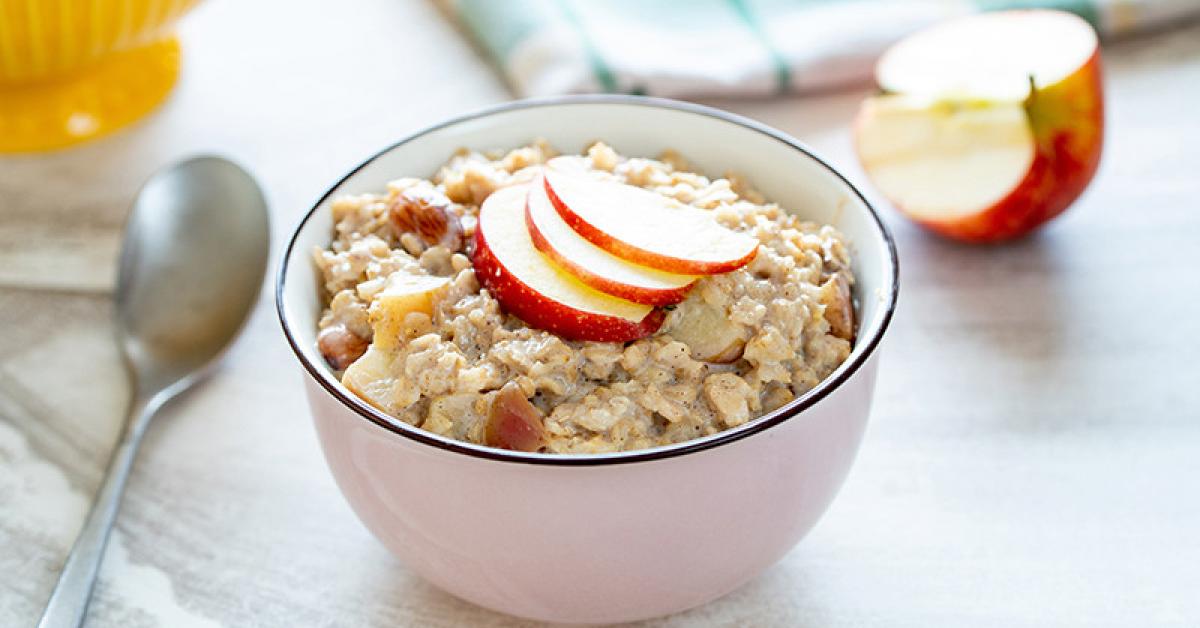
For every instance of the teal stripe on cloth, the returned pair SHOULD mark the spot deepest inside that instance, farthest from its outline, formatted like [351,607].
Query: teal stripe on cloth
[783,73]
[600,69]
[499,27]
[1085,9]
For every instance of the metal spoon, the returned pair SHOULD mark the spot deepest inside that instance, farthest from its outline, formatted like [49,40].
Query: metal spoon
[191,270]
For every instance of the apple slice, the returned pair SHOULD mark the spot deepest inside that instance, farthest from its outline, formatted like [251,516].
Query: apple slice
[646,228]
[593,265]
[530,286]
[990,125]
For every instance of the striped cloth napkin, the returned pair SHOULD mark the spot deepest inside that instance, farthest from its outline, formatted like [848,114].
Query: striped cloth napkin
[729,47]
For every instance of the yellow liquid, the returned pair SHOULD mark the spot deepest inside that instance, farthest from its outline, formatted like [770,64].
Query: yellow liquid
[73,70]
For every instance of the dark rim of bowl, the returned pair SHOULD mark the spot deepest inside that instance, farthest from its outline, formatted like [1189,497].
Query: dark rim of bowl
[322,375]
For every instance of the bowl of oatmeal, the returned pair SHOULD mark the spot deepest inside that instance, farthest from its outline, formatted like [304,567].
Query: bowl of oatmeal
[589,359]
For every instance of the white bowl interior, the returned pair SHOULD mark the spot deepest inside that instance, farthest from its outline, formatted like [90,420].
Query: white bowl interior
[714,143]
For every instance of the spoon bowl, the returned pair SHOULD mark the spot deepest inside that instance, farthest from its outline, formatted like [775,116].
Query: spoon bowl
[190,270]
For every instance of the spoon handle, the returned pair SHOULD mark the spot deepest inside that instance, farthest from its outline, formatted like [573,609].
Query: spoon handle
[68,604]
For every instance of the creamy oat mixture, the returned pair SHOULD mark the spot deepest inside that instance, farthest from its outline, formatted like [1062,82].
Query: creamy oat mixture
[773,329]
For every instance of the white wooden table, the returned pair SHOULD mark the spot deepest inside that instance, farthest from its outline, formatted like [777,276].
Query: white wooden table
[1033,459]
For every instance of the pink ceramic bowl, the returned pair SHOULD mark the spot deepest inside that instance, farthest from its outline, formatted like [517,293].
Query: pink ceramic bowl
[614,537]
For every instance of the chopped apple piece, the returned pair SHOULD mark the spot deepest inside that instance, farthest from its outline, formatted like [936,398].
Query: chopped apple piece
[513,423]
[403,295]
[370,378]
[708,332]
[646,228]
[530,286]
[728,395]
[593,265]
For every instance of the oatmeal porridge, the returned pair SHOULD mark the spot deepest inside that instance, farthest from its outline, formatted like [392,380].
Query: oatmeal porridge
[449,319]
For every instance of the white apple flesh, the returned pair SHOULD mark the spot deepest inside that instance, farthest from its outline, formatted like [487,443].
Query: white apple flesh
[645,227]
[593,265]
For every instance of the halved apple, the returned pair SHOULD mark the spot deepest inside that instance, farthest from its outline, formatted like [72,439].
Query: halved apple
[646,228]
[989,125]
[530,286]
[593,265]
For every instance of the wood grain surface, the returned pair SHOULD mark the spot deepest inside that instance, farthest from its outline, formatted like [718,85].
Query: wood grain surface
[1033,457]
